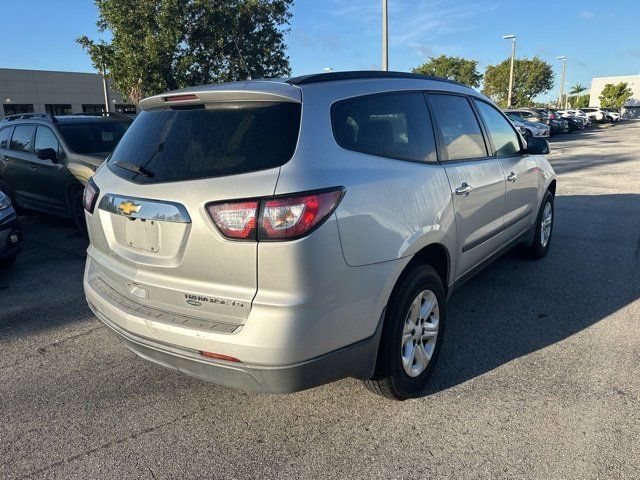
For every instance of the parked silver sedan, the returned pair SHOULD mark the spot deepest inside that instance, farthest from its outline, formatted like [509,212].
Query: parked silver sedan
[278,235]
[530,129]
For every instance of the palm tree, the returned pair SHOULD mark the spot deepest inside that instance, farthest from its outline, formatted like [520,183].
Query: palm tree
[576,90]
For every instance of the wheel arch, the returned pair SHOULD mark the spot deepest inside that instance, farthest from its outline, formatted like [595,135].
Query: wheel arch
[552,187]
[434,254]
[70,192]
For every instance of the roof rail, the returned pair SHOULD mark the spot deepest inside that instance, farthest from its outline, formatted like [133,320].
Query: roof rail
[362,75]
[101,114]
[25,116]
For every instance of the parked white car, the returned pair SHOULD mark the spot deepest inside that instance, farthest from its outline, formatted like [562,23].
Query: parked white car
[595,114]
[611,115]
[575,115]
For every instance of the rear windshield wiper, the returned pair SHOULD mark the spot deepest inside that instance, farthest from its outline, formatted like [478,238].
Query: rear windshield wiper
[132,167]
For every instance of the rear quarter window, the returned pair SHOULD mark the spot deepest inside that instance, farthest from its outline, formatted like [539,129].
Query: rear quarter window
[223,139]
[5,137]
[394,125]
[22,138]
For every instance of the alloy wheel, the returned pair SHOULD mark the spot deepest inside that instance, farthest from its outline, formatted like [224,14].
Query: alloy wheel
[420,333]
[547,221]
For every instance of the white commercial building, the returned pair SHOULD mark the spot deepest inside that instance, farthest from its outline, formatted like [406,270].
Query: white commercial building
[58,93]
[632,106]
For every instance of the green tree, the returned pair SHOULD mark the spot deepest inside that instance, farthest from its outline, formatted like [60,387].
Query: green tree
[531,77]
[160,45]
[582,101]
[454,68]
[614,96]
[574,94]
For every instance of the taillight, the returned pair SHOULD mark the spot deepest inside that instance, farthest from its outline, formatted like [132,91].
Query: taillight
[276,218]
[91,193]
[293,217]
[235,219]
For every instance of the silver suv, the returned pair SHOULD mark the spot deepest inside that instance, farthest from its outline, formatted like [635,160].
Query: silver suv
[278,235]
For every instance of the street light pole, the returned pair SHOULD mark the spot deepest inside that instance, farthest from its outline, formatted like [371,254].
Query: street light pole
[513,61]
[564,74]
[385,36]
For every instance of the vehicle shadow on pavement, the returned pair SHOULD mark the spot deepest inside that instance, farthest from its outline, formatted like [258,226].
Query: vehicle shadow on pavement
[512,308]
[517,306]
[44,288]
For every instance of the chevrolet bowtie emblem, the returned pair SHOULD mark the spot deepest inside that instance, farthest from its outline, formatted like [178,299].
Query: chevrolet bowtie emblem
[128,207]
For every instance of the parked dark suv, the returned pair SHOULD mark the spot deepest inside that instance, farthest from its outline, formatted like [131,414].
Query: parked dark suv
[46,160]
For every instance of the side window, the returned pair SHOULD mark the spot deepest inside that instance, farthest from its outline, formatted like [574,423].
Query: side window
[21,140]
[5,137]
[503,137]
[45,138]
[395,125]
[458,126]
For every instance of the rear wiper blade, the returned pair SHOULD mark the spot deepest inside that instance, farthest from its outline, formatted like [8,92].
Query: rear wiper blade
[132,167]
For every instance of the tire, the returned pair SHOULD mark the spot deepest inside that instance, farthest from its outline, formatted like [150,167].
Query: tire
[77,212]
[540,246]
[399,375]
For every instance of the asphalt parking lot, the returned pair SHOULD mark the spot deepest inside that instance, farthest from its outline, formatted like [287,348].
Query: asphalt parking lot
[538,377]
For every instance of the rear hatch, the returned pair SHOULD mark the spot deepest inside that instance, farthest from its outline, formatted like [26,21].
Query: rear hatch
[153,242]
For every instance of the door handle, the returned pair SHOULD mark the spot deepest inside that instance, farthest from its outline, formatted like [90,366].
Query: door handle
[32,166]
[512,177]
[463,189]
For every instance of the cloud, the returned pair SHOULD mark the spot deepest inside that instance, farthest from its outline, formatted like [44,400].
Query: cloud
[587,14]
[415,24]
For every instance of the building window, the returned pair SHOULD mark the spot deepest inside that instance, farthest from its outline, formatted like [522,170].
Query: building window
[92,108]
[58,109]
[126,108]
[15,108]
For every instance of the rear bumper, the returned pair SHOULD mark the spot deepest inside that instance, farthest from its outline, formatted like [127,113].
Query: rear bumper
[356,360]
[9,227]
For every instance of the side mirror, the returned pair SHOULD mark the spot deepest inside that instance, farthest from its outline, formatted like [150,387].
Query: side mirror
[537,146]
[47,154]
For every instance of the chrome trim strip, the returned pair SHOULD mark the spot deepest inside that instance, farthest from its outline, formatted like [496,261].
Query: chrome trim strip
[158,210]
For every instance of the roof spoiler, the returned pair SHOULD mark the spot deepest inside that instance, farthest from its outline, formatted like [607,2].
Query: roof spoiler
[250,91]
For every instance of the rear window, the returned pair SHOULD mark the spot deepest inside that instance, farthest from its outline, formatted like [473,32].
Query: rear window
[93,138]
[227,139]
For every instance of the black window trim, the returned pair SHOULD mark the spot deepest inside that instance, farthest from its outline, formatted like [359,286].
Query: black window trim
[382,94]
[493,151]
[440,143]
[31,151]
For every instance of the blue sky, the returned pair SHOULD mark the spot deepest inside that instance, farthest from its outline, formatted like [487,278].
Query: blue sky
[599,37]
